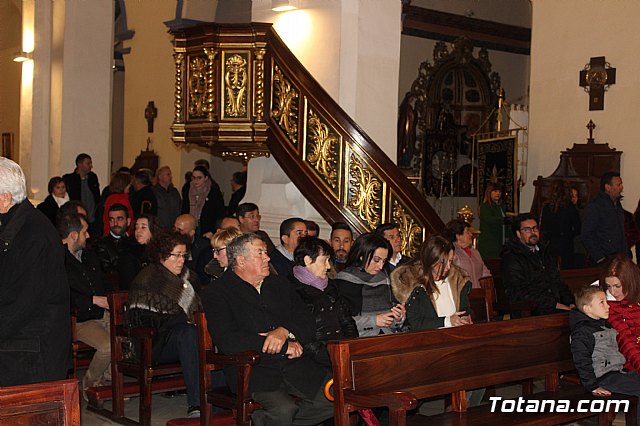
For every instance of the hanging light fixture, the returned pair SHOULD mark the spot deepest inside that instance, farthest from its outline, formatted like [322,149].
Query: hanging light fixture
[282,5]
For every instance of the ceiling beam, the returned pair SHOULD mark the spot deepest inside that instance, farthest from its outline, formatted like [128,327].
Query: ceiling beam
[436,25]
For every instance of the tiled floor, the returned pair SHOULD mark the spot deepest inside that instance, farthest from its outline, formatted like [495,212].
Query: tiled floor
[165,409]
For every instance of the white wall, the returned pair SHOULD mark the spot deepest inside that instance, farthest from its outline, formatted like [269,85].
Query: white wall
[351,48]
[566,34]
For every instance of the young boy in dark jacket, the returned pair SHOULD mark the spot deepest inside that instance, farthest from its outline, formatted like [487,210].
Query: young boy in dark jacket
[595,351]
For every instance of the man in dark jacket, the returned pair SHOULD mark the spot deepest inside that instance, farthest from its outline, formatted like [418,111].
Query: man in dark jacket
[116,250]
[249,310]
[529,273]
[35,326]
[83,185]
[200,253]
[142,198]
[88,296]
[291,230]
[167,196]
[603,228]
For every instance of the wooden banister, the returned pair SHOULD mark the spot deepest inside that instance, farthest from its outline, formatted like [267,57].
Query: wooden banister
[240,91]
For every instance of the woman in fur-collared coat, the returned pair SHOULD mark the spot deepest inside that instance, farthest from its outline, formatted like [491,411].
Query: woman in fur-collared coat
[437,295]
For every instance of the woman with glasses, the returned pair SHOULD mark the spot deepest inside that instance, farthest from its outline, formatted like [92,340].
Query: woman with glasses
[165,295]
[365,286]
[220,261]
[435,292]
[204,201]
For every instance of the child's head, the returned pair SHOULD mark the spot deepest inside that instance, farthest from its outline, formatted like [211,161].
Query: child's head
[592,301]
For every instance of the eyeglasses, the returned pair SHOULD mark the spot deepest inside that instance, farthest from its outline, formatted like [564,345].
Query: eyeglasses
[177,256]
[219,250]
[529,229]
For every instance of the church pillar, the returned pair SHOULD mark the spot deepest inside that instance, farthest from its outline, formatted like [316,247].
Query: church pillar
[65,105]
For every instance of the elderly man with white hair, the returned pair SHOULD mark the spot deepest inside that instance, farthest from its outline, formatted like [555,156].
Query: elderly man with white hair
[35,326]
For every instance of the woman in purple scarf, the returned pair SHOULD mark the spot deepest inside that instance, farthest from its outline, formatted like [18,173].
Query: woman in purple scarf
[333,320]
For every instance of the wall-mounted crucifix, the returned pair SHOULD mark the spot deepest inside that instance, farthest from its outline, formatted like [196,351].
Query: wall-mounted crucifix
[595,78]
[150,113]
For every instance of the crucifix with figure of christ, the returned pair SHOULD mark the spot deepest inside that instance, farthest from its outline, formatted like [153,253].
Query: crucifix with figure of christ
[150,113]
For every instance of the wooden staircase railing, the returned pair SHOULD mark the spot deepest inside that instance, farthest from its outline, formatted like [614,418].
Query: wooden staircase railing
[240,91]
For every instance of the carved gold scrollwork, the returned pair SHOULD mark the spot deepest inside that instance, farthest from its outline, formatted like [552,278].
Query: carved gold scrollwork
[409,230]
[177,104]
[364,192]
[322,155]
[211,95]
[285,109]
[259,64]
[197,87]
[235,80]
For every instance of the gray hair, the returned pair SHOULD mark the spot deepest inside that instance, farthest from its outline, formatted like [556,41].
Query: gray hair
[12,180]
[239,246]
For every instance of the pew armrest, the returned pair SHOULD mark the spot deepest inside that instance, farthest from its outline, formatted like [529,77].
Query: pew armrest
[392,400]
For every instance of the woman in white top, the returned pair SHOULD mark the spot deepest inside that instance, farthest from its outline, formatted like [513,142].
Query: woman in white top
[435,292]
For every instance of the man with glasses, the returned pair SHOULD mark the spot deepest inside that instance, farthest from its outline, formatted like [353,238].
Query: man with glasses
[530,273]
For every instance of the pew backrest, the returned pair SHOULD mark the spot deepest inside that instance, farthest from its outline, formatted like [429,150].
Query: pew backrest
[50,403]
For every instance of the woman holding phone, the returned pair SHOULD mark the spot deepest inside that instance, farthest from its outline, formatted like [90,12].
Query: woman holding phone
[365,286]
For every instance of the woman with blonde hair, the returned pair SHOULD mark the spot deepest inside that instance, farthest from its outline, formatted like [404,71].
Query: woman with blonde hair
[219,242]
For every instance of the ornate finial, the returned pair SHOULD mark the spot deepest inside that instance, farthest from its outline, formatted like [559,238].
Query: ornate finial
[465,213]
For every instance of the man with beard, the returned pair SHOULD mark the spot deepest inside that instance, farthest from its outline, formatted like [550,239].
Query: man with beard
[341,241]
[530,273]
[115,251]
[88,297]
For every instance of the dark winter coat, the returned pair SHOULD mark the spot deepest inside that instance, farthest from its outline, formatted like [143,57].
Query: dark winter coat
[143,201]
[35,326]
[406,282]
[169,204]
[533,277]
[212,210]
[73,183]
[558,229]
[50,208]
[237,313]
[332,317]
[282,265]
[594,348]
[85,281]
[118,255]
[153,301]
[603,228]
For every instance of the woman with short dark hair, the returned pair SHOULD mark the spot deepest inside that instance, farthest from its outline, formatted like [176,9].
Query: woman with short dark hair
[332,316]
[164,295]
[56,198]
[365,286]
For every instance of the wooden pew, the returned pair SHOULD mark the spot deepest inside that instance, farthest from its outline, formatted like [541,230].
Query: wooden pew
[150,377]
[46,403]
[397,370]
[573,278]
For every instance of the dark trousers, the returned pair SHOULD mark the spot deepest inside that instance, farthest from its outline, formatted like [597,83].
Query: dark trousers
[182,347]
[625,383]
[281,409]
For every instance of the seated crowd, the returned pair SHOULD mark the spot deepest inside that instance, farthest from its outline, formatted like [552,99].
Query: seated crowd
[178,252]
